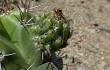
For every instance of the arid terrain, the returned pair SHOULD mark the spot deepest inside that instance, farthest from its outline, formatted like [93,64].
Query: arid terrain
[89,46]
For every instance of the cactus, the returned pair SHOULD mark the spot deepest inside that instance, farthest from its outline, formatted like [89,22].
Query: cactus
[51,31]
[50,34]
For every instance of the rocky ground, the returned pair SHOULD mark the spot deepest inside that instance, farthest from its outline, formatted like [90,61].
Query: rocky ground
[89,46]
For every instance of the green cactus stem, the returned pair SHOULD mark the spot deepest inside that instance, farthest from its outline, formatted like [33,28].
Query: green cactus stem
[51,29]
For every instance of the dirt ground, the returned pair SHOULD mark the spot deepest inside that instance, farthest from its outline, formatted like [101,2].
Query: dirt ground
[89,46]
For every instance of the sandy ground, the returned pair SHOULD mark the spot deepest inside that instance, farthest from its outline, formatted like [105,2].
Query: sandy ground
[89,46]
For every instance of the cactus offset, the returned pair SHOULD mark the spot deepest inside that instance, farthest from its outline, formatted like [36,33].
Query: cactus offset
[51,30]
